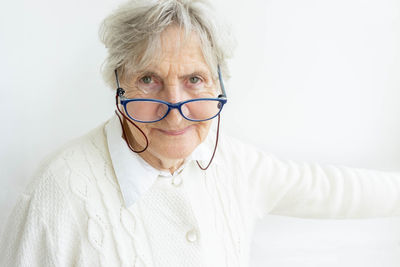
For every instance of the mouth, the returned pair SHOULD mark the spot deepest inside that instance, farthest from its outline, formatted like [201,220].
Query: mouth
[175,132]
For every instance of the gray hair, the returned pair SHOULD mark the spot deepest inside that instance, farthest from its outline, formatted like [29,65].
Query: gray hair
[132,34]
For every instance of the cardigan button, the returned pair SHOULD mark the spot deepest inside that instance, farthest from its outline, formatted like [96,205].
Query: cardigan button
[191,236]
[177,181]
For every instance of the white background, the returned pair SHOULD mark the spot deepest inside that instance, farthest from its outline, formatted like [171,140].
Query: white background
[311,80]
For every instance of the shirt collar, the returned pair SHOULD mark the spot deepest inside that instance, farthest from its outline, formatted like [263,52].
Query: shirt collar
[135,176]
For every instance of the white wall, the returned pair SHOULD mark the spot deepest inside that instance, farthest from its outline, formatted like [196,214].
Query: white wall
[320,79]
[311,80]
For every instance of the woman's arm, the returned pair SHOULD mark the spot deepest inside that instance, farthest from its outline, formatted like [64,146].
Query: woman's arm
[315,191]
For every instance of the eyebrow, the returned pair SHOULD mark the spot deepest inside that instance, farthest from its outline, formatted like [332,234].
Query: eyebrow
[147,73]
[194,73]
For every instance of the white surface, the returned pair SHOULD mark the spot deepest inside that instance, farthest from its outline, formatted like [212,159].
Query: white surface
[287,242]
[311,80]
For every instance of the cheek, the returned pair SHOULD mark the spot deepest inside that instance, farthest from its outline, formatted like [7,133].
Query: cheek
[144,127]
[202,130]
[137,135]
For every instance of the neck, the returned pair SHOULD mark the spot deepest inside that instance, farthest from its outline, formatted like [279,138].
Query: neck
[160,163]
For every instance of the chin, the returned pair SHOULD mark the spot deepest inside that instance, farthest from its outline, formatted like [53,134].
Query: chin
[177,150]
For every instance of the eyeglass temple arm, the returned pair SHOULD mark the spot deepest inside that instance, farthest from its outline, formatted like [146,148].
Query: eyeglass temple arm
[221,83]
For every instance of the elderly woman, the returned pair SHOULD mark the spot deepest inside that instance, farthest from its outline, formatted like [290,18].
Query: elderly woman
[156,185]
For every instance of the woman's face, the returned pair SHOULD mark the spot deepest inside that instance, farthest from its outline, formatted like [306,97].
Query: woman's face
[181,73]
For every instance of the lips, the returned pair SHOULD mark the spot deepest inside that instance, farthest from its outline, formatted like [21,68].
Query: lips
[174,132]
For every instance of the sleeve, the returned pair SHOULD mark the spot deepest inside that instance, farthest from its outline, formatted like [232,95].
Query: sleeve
[26,240]
[311,190]
[41,230]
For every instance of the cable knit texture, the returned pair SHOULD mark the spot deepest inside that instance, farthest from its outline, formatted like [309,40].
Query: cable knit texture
[73,213]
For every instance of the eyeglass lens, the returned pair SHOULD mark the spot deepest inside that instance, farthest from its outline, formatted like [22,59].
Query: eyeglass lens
[148,111]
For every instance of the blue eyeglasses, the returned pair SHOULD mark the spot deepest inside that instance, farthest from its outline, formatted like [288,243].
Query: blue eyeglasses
[148,110]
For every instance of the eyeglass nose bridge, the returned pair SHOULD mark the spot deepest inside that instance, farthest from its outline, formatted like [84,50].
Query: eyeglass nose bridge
[172,106]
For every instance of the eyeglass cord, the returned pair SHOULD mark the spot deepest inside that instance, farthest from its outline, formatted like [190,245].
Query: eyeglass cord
[215,147]
[147,141]
[123,129]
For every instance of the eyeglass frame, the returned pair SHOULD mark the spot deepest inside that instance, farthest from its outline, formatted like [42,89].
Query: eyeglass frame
[222,99]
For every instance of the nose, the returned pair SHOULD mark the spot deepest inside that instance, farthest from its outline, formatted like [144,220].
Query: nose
[174,117]
[173,94]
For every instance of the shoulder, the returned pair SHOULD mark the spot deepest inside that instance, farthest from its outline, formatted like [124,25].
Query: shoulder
[233,149]
[78,157]
[247,160]
[68,180]
[50,214]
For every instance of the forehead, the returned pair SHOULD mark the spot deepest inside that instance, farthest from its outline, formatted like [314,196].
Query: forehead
[174,40]
[179,52]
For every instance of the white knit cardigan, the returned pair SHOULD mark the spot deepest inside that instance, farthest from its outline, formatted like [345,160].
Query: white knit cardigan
[73,213]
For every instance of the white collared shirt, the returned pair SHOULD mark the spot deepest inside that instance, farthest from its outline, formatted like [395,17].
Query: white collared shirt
[134,174]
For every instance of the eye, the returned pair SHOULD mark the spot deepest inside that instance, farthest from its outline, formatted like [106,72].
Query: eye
[194,79]
[146,79]
[148,83]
